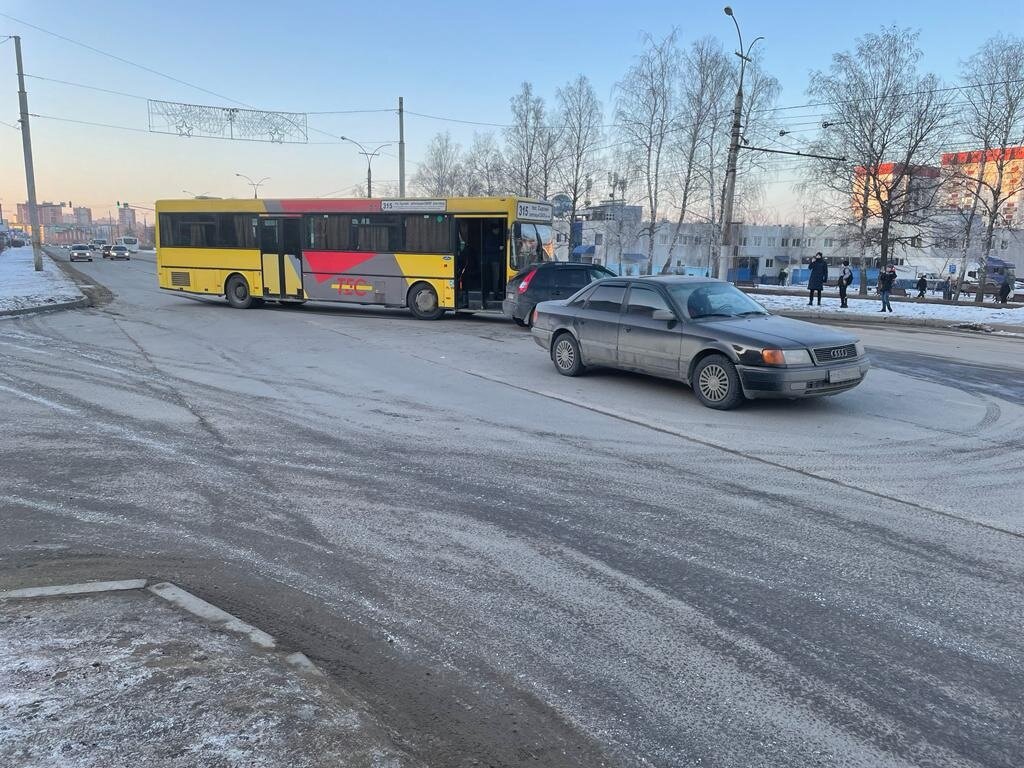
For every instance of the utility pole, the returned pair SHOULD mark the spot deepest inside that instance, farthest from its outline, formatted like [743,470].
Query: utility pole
[30,174]
[401,147]
[725,254]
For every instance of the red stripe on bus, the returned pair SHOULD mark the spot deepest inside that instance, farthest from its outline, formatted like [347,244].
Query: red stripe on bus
[334,262]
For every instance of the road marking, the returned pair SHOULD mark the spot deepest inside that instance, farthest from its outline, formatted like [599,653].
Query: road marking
[39,400]
[735,452]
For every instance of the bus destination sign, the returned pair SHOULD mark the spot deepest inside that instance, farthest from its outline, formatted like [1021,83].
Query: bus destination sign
[414,206]
[534,212]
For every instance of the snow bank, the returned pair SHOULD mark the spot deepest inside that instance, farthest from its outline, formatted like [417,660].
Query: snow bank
[983,315]
[21,287]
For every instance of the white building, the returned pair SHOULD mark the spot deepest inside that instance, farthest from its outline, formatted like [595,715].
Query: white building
[614,234]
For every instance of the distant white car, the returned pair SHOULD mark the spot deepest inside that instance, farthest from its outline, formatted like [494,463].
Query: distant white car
[80,252]
[120,252]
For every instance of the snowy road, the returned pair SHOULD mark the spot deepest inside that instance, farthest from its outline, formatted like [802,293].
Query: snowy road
[515,568]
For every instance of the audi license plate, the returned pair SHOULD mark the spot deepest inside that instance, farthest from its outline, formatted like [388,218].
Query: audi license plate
[837,375]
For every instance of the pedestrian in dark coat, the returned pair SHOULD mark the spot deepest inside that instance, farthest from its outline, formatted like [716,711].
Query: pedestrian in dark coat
[1004,291]
[947,289]
[922,286]
[816,281]
[845,279]
[885,283]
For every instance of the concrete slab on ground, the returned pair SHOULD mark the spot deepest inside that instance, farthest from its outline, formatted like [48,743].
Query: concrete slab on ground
[126,679]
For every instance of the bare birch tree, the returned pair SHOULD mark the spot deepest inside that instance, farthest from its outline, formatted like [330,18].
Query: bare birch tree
[704,82]
[484,166]
[523,142]
[549,154]
[645,115]
[580,115]
[993,119]
[441,173]
[889,122]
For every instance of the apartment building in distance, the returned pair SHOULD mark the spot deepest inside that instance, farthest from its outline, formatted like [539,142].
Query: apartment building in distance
[961,170]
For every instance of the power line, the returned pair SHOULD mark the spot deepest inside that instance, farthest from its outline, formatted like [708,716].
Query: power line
[456,120]
[124,60]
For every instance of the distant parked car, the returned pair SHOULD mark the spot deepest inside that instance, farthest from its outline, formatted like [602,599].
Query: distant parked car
[80,252]
[119,252]
[17,243]
[544,281]
[704,332]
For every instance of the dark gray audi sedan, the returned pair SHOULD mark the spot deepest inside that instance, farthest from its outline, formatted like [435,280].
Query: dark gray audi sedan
[704,332]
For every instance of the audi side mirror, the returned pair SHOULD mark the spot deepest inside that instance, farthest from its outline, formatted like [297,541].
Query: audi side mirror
[663,314]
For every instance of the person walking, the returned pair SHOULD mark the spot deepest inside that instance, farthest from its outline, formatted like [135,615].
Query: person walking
[885,283]
[783,274]
[947,289]
[922,286]
[845,279]
[818,276]
[1004,291]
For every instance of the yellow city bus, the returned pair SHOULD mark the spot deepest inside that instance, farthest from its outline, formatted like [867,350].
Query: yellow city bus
[431,256]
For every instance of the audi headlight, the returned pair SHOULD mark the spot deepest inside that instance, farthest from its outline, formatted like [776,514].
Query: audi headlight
[786,357]
[860,348]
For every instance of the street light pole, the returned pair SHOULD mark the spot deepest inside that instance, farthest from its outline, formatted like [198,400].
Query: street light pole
[725,253]
[254,184]
[369,154]
[30,174]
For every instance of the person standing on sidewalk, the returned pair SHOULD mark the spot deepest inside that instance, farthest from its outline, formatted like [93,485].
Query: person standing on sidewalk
[845,279]
[818,276]
[783,274]
[1004,290]
[922,286]
[885,283]
[947,289]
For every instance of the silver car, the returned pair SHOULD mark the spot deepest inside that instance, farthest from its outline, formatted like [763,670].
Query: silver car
[704,332]
[80,252]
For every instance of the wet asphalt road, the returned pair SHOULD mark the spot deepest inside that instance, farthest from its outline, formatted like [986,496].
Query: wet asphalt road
[512,568]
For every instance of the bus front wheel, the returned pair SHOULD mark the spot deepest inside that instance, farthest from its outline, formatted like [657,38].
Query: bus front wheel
[423,302]
[237,292]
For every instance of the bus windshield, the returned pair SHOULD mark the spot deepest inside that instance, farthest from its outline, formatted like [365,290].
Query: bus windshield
[531,243]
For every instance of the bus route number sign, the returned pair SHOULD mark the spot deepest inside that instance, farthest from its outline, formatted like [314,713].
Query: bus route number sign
[533,212]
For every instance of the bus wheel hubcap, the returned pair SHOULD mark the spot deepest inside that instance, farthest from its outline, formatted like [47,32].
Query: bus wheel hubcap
[714,383]
[425,301]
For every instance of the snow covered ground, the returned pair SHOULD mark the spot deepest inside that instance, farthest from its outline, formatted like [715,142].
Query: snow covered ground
[983,315]
[21,287]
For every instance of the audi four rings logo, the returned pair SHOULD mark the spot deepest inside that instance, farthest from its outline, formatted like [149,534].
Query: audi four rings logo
[838,352]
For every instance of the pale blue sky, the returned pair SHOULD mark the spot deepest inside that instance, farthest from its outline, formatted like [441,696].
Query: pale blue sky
[457,59]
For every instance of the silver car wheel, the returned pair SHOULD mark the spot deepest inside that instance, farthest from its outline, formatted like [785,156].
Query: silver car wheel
[565,355]
[714,383]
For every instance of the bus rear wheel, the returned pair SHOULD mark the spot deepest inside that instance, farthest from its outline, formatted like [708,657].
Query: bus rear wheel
[237,292]
[422,300]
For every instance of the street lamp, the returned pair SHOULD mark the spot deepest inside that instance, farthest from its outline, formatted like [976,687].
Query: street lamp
[725,253]
[369,154]
[254,184]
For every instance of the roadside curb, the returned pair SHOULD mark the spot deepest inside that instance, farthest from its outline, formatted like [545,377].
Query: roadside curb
[81,303]
[176,596]
[906,322]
